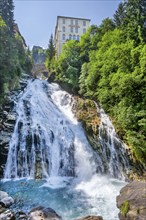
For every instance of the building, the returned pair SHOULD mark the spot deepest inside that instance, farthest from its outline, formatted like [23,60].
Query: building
[68,28]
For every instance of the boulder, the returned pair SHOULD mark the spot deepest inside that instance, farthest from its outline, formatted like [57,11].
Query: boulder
[51,78]
[3,195]
[7,215]
[91,218]
[7,201]
[42,213]
[132,201]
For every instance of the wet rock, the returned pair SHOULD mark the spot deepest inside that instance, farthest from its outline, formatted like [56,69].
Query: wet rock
[3,195]
[91,218]
[7,201]
[21,216]
[51,78]
[7,215]
[132,201]
[42,213]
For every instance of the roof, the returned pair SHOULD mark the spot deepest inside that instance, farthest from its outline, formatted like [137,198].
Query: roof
[73,18]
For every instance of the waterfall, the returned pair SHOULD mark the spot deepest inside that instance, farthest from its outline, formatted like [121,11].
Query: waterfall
[48,141]
[114,158]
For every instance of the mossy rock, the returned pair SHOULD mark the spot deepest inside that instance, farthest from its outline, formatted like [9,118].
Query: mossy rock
[125,208]
[86,112]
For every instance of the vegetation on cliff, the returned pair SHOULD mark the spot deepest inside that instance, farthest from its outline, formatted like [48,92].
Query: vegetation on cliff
[108,65]
[13,54]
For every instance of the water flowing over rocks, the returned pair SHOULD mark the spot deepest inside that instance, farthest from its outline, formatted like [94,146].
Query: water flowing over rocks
[49,143]
[8,119]
[132,201]
[112,152]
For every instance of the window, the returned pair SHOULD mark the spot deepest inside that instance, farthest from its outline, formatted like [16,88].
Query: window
[71,21]
[70,37]
[84,23]
[78,37]
[76,30]
[63,21]
[76,22]
[74,37]
[63,37]
[63,29]
[71,29]
[84,30]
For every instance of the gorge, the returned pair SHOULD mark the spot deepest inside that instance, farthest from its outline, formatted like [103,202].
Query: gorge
[50,161]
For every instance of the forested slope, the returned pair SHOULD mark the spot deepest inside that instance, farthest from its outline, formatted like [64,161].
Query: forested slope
[109,66]
[14,56]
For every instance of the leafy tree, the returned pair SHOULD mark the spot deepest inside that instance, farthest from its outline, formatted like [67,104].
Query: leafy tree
[69,64]
[82,79]
[135,20]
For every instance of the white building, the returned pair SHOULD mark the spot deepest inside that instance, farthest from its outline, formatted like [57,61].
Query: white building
[69,28]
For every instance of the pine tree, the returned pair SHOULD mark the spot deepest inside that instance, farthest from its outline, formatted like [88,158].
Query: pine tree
[7,13]
[119,15]
[50,53]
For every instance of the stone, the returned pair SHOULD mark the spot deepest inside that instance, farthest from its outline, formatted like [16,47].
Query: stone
[91,218]
[132,201]
[7,215]
[42,213]
[3,195]
[7,201]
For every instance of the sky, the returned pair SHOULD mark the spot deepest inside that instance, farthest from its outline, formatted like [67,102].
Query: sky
[37,18]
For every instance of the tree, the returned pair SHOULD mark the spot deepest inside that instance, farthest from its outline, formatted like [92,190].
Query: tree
[50,53]
[119,15]
[7,13]
[135,20]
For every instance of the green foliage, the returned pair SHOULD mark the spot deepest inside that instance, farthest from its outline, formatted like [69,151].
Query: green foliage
[109,66]
[50,55]
[13,56]
[7,14]
[69,64]
[125,208]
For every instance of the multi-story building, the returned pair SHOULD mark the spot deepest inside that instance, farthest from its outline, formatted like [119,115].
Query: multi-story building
[68,28]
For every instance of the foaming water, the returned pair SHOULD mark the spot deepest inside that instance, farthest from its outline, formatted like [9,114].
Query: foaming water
[70,197]
[49,144]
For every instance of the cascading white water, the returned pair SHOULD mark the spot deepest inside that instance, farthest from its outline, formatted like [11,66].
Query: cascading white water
[47,139]
[48,142]
[113,149]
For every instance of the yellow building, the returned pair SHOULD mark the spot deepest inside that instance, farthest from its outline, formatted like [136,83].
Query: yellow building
[68,28]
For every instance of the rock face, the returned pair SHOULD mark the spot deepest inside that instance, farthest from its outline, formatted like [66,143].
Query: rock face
[86,112]
[41,213]
[132,201]
[91,218]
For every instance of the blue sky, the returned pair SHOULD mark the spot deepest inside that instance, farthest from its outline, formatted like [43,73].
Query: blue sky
[37,18]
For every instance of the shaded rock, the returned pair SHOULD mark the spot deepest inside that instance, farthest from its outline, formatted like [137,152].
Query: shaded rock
[21,216]
[7,201]
[42,213]
[51,77]
[91,218]
[132,201]
[7,215]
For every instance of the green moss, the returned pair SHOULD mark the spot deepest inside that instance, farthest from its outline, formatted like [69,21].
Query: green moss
[125,208]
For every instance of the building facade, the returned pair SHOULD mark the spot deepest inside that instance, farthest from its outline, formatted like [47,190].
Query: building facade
[68,28]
